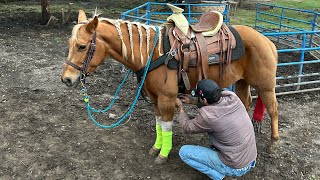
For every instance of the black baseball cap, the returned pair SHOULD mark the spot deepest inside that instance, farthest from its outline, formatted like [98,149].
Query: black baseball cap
[207,88]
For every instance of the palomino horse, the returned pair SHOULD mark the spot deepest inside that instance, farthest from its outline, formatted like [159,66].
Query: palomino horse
[130,44]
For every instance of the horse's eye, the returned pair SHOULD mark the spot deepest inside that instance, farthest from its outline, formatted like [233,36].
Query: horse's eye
[82,47]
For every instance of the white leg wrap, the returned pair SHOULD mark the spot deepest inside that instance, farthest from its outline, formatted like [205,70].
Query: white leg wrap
[158,120]
[166,126]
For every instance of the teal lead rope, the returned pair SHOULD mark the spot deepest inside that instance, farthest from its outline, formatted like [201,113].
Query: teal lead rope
[130,110]
[86,96]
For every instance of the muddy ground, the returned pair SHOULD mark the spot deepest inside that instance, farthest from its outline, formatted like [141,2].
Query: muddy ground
[45,132]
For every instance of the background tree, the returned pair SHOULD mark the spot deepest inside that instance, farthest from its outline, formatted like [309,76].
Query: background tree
[45,13]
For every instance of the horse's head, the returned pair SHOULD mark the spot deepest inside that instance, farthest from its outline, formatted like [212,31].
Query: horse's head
[83,57]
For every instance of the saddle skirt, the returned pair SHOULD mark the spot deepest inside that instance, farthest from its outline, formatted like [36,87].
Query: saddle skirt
[190,47]
[215,44]
[197,42]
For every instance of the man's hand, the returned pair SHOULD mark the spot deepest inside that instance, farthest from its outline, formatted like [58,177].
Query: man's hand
[179,105]
[185,99]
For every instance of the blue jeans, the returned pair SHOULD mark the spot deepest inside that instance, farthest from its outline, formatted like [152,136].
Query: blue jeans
[207,161]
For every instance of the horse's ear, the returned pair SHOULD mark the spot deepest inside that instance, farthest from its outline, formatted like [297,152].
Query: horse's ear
[82,16]
[92,25]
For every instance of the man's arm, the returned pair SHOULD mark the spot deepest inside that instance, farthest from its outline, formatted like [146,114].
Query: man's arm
[197,125]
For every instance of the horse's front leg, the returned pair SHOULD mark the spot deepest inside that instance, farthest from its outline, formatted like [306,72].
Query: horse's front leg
[164,131]
[155,149]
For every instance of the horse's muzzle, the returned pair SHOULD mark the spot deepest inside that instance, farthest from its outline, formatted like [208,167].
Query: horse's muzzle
[69,82]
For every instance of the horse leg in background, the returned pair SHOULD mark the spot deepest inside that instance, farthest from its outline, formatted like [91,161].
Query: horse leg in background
[268,98]
[258,114]
[243,92]
[155,149]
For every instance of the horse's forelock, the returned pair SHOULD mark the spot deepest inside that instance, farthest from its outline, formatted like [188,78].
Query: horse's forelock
[75,32]
[77,27]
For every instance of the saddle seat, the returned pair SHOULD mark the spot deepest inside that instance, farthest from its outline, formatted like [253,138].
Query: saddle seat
[209,23]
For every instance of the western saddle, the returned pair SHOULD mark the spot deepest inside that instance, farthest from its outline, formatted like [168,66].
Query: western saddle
[196,42]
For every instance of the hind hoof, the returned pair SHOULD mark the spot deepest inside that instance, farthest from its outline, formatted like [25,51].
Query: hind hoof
[257,126]
[274,147]
[154,151]
[160,159]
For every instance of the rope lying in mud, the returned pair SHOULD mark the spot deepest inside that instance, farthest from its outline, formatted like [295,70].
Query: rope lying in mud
[86,96]
[130,110]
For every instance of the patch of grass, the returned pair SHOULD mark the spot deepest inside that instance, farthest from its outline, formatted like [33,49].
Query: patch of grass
[244,17]
[114,8]
[300,4]
[247,17]
[111,8]
[19,7]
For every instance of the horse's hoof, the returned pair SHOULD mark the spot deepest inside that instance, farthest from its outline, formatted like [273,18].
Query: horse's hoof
[160,159]
[274,146]
[257,126]
[275,139]
[154,151]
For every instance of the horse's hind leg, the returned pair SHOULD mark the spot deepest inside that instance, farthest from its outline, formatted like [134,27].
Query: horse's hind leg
[243,92]
[268,98]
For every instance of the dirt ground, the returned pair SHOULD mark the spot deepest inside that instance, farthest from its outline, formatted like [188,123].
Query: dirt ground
[45,132]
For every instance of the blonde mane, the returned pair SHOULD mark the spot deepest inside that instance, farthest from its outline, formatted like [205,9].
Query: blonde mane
[117,24]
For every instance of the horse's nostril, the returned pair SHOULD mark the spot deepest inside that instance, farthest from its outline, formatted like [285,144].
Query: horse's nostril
[67,81]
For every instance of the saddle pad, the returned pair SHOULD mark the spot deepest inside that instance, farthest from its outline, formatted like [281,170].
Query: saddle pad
[237,53]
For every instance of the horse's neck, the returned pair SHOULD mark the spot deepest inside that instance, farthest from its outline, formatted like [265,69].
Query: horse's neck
[131,42]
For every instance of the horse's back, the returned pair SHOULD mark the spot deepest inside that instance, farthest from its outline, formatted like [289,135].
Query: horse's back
[260,56]
[252,38]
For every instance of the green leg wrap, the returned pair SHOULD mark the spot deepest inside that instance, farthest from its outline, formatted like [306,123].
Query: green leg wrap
[167,143]
[158,142]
